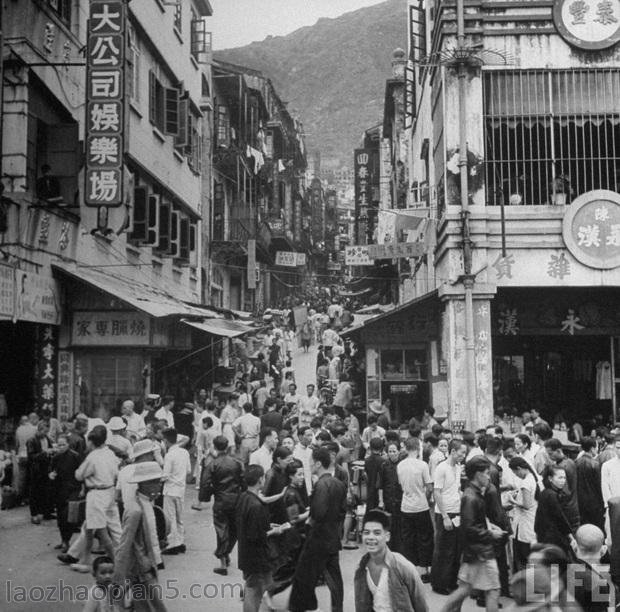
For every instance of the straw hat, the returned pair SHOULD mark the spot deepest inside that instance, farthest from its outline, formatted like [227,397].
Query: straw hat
[116,424]
[376,407]
[142,447]
[149,470]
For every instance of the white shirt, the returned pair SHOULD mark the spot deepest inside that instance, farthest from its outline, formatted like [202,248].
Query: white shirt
[22,435]
[308,409]
[413,476]
[165,415]
[448,480]
[262,456]
[434,460]
[330,337]
[474,452]
[293,399]
[135,425]
[304,454]
[247,426]
[381,600]
[177,466]
[523,518]
[610,479]
[217,424]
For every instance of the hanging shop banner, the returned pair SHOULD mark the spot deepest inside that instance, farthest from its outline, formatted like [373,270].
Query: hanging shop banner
[65,384]
[7,291]
[357,255]
[251,264]
[588,24]
[46,349]
[591,229]
[37,298]
[110,329]
[105,107]
[362,180]
[395,250]
[290,259]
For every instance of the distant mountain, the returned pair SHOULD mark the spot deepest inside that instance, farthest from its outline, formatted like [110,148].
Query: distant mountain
[332,73]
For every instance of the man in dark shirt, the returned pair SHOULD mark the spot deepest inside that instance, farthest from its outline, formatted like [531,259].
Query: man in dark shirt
[372,466]
[77,439]
[479,568]
[321,549]
[570,505]
[253,527]
[276,481]
[223,480]
[272,418]
[589,494]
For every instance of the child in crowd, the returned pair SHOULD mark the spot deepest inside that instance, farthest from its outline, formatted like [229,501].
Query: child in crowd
[104,595]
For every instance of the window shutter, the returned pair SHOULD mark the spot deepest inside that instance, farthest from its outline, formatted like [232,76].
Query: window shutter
[153,220]
[171,121]
[184,238]
[164,227]
[152,97]
[140,215]
[182,138]
[198,37]
[62,155]
[193,228]
[173,249]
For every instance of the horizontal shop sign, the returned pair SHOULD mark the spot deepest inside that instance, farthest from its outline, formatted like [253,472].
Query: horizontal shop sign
[394,250]
[290,259]
[110,329]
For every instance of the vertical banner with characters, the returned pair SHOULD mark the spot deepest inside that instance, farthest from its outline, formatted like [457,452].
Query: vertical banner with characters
[46,372]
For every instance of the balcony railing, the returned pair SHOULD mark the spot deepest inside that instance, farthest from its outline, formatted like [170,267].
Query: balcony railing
[235,230]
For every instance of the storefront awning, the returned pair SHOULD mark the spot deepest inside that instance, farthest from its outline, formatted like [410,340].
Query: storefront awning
[154,302]
[221,327]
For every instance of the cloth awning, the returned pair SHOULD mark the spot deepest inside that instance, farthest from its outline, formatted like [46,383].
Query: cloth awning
[221,327]
[154,302]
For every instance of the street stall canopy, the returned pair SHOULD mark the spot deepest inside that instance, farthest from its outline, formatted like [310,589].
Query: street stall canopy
[221,327]
[152,301]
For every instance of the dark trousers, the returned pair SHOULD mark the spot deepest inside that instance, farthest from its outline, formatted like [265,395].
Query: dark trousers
[418,538]
[41,502]
[396,532]
[446,556]
[521,551]
[224,521]
[314,561]
[502,565]
[62,511]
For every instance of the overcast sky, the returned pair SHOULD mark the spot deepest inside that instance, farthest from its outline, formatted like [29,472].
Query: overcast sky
[238,22]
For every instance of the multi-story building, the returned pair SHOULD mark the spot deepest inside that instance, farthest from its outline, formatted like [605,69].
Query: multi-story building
[513,129]
[260,206]
[93,297]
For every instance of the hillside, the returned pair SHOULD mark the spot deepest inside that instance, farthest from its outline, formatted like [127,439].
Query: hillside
[332,74]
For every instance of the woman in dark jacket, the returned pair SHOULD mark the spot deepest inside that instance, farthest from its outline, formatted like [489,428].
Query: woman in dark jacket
[551,525]
[39,449]
[390,493]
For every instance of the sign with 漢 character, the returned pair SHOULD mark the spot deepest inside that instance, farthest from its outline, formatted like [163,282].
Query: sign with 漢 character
[91,328]
[588,24]
[105,105]
[591,229]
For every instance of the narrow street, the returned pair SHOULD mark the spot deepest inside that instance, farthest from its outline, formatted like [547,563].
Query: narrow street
[28,559]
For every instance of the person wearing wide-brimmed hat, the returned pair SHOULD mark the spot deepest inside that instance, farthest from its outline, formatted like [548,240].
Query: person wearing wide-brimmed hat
[118,441]
[135,562]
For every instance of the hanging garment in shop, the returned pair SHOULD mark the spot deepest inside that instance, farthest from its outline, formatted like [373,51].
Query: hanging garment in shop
[603,380]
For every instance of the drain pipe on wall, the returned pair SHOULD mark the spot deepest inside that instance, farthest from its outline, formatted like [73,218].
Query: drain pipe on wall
[468,278]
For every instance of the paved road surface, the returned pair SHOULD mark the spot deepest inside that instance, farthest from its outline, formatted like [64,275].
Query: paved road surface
[27,560]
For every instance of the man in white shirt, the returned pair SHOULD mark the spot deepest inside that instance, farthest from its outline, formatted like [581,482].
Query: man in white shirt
[177,467]
[303,452]
[165,412]
[26,430]
[447,493]
[372,431]
[136,428]
[417,528]
[292,399]
[263,455]
[330,338]
[118,441]
[308,407]
[209,411]
[247,427]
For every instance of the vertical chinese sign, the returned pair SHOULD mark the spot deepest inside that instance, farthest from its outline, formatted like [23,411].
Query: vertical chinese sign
[65,385]
[105,106]
[46,349]
[362,192]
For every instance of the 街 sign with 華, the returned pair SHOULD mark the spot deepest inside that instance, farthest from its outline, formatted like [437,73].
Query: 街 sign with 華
[105,106]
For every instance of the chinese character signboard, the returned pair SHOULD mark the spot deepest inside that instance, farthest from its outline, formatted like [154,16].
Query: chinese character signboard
[251,271]
[65,384]
[394,250]
[591,229]
[588,24]
[362,184]
[47,347]
[286,258]
[110,329]
[357,255]
[105,106]
[7,291]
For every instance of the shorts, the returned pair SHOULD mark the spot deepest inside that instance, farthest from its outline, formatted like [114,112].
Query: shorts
[100,508]
[480,575]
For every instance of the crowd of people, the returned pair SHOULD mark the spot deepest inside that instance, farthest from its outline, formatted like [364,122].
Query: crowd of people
[295,477]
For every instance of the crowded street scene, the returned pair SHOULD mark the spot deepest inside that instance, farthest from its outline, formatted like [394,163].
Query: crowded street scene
[309,306]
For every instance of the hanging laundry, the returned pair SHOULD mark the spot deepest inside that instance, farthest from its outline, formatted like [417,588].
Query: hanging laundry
[603,380]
